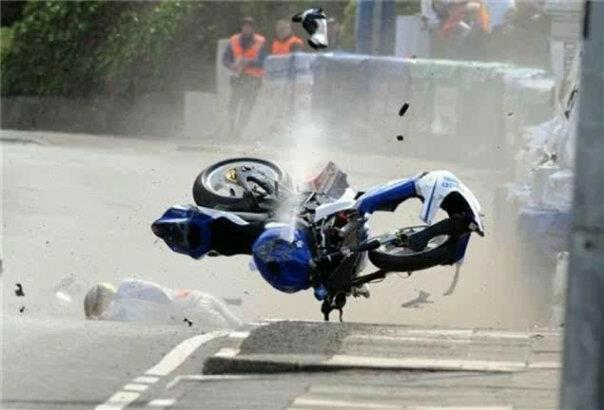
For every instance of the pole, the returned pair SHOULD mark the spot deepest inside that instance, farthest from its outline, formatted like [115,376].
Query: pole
[583,374]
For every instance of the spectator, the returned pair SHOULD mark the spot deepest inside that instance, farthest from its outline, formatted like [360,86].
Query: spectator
[244,56]
[464,30]
[285,41]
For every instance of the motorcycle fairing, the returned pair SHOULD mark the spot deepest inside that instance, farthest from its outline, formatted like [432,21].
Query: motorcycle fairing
[386,197]
[346,201]
[195,231]
[434,187]
[185,230]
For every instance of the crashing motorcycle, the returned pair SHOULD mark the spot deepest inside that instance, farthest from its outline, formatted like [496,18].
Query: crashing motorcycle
[317,235]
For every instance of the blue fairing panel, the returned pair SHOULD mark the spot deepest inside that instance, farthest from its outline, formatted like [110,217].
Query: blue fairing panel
[386,197]
[185,230]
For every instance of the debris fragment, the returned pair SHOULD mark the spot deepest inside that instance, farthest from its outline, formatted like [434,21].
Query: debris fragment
[19,291]
[510,114]
[403,109]
[66,288]
[233,301]
[314,21]
[400,138]
[422,298]
[453,284]
[188,322]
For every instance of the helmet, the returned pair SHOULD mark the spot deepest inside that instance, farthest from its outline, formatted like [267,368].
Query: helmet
[283,259]
[185,230]
[98,299]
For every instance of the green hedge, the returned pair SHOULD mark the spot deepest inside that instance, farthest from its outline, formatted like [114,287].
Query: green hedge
[121,48]
[53,48]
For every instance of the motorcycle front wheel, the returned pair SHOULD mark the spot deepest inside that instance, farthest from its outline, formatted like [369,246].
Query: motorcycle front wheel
[215,188]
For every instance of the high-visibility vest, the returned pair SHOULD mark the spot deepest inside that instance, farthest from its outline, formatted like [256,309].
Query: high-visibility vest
[280,47]
[249,53]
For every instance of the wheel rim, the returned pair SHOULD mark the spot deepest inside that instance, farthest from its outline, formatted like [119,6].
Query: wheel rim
[432,244]
[217,182]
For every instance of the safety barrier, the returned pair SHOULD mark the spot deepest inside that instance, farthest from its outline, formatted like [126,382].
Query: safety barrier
[456,107]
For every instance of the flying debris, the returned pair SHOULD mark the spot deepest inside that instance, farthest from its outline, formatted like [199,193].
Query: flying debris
[314,22]
[403,109]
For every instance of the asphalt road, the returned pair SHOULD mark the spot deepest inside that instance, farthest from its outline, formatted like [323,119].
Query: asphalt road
[65,363]
[76,211]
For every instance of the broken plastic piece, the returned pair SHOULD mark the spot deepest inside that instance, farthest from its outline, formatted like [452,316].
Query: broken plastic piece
[314,21]
[455,279]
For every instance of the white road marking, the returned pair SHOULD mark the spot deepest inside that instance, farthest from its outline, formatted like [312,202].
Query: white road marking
[406,339]
[180,353]
[239,335]
[118,401]
[135,387]
[161,403]
[466,333]
[206,378]
[310,402]
[146,379]
[425,363]
[257,324]
[227,352]
[166,365]
[544,365]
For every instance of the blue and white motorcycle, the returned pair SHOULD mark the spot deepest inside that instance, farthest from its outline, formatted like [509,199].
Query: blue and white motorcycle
[318,236]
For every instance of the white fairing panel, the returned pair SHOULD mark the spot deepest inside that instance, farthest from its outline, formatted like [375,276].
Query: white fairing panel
[215,213]
[435,186]
[346,201]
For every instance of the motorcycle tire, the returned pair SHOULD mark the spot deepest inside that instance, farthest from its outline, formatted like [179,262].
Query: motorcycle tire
[206,195]
[443,254]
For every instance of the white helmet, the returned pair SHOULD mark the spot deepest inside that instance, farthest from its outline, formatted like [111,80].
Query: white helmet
[98,299]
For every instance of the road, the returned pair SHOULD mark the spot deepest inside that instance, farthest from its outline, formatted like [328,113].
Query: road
[76,211]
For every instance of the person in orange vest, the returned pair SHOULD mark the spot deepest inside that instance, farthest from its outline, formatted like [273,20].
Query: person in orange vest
[285,41]
[244,56]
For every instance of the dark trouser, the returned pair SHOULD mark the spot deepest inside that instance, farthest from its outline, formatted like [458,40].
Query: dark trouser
[244,91]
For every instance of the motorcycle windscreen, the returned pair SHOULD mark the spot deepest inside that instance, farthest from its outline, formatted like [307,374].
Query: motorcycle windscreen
[331,181]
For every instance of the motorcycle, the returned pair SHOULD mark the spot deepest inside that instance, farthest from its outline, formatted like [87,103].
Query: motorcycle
[317,235]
